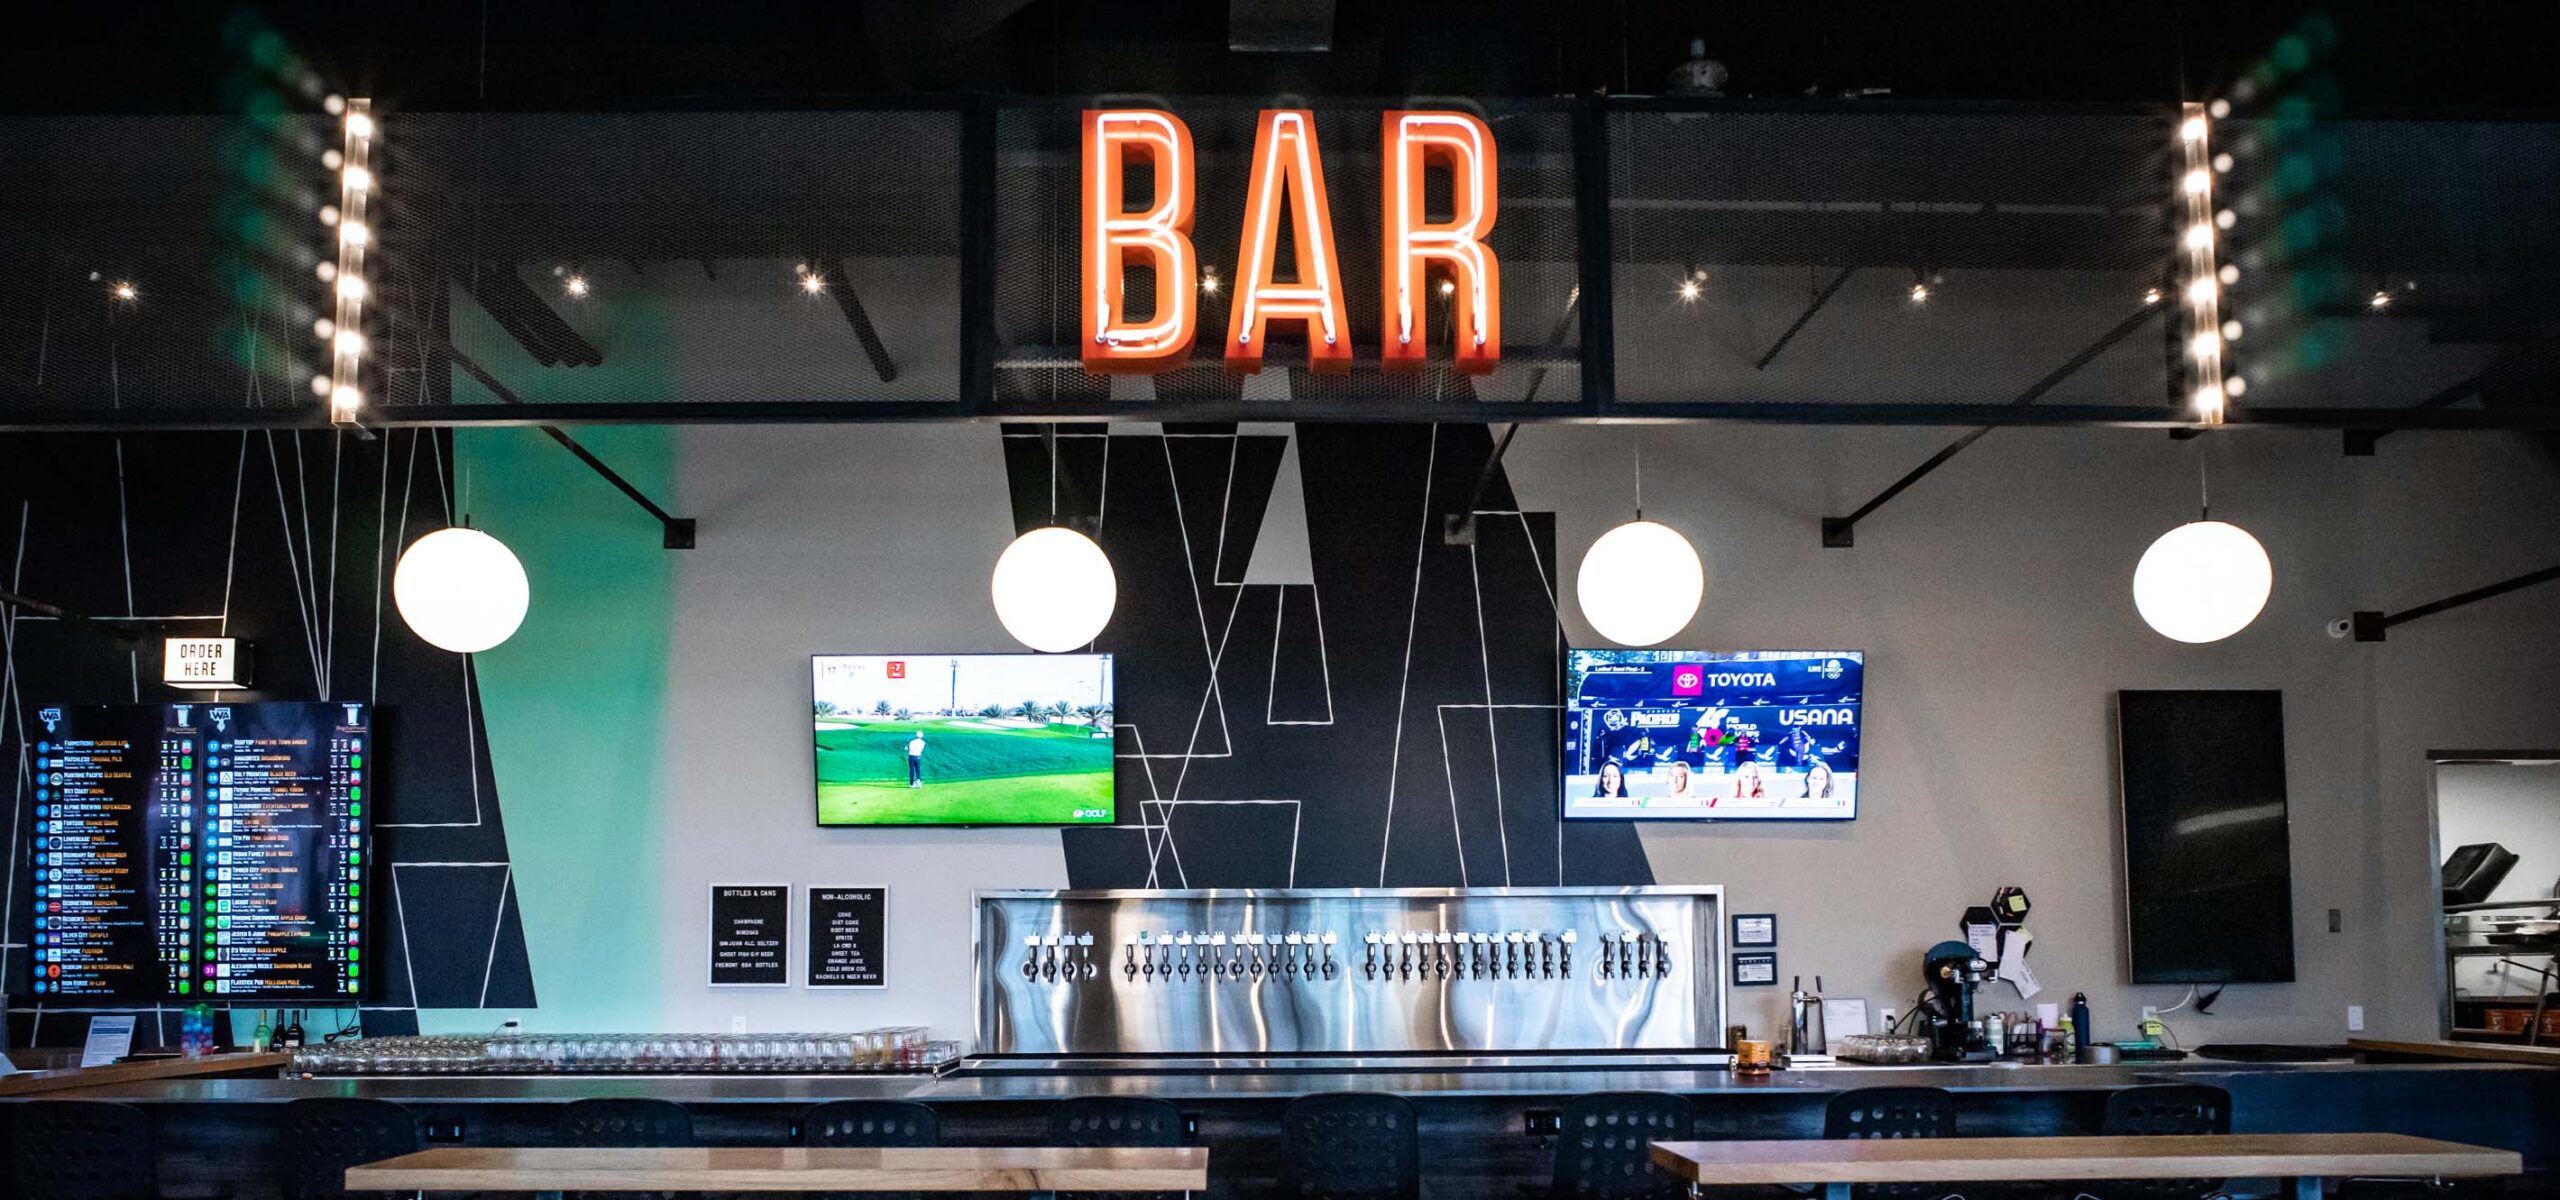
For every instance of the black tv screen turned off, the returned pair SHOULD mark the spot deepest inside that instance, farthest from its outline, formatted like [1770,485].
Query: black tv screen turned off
[2208,865]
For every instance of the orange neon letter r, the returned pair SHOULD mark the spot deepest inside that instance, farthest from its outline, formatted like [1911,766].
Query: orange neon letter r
[1460,142]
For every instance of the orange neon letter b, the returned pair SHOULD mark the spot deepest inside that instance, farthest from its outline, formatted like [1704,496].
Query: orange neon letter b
[1287,163]
[1411,142]
[1115,237]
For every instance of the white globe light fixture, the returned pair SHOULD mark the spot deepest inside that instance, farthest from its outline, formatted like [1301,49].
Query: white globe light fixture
[2202,581]
[1640,583]
[1054,589]
[460,590]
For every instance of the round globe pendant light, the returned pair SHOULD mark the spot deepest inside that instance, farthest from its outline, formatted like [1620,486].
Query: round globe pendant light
[1054,589]
[1640,583]
[460,590]
[2202,581]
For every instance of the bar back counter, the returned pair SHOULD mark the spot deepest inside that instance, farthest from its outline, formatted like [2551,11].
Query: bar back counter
[1488,1010]
[1484,1122]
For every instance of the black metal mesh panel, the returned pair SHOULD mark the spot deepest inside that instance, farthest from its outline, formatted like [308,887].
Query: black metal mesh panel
[2036,236]
[690,236]
[1037,225]
[2448,222]
[157,264]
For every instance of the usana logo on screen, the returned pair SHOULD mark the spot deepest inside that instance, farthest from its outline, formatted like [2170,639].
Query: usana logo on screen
[1692,735]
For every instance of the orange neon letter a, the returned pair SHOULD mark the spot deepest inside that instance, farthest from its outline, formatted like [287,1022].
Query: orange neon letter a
[1413,141]
[1287,163]
[1115,237]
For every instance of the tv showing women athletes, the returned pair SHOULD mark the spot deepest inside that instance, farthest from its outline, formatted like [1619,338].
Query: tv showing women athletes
[963,739]
[1692,735]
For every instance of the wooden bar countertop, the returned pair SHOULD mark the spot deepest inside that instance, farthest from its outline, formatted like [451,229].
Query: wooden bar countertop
[29,1083]
[1930,1160]
[792,1169]
[2531,1056]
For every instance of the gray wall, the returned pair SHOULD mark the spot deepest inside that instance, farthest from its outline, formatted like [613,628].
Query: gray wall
[1993,601]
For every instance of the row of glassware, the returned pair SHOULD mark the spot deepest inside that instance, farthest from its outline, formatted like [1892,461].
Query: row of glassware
[891,1049]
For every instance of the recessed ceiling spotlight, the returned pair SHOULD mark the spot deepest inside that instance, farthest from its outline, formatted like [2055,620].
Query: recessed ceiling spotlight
[576,286]
[1689,291]
[1919,293]
[1448,287]
[2381,300]
[812,282]
[124,290]
[2151,295]
[1208,283]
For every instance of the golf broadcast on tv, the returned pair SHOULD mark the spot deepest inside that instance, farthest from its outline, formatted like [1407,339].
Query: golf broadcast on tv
[963,739]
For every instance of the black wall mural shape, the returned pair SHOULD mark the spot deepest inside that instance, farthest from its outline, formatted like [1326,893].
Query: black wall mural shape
[1387,719]
[286,539]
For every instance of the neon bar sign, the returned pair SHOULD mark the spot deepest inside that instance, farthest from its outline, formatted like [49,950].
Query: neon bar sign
[1287,165]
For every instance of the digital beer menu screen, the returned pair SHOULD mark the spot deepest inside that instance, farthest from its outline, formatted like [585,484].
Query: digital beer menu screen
[201,851]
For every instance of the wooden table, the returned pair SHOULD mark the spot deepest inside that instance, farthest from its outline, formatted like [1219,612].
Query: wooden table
[2306,1158]
[29,1083]
[1035,1169]
[2531,1056]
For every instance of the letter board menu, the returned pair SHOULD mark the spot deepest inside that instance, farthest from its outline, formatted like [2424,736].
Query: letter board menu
[201,851]
[750,935]
[848,937]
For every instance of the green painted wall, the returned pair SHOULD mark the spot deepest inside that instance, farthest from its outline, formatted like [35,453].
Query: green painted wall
[574,708]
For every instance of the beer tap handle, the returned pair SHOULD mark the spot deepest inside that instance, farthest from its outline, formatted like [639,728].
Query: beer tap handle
[1564,952]
[1369,966]
[1330,970]
[1030,957]
[1129,956]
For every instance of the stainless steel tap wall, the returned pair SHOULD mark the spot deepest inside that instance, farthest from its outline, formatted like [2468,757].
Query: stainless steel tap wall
[1353,969]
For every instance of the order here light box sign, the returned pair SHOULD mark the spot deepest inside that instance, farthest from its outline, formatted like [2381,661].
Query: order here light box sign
[1287,176]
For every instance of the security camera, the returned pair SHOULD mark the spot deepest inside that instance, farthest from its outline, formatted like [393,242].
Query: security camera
[2341,627]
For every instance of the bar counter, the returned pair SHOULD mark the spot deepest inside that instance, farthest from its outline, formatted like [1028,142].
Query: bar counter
[1474,1122]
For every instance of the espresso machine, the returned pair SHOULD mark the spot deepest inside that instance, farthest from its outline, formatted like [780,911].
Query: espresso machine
[1953,971]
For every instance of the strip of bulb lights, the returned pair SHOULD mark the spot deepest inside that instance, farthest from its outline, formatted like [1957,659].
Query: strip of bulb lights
[2209,338]
[343,330]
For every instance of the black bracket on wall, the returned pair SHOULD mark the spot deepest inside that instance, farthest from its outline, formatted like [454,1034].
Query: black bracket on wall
[1804,318]
[1841,533]
[1459,528]
[2368,625]
[128,630]
[676,533]
[2359,443]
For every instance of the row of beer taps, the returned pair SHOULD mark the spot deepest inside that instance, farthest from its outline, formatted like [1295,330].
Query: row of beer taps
[1392,956]
[1216,956]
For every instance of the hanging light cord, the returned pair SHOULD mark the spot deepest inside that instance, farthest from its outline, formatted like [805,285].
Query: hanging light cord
[1639,478]
[2204,486]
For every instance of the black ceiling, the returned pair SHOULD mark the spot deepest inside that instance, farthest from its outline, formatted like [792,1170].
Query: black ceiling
[2391,56]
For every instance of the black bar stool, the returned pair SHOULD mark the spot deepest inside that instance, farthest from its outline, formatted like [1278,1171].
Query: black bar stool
[1349,1146]
[865,1123]
[82,1150]
[2166,1109]
[622,1122]
[1605,1148]
[317,1139]
[857,1123]
[1116,1121]
[1894,1112]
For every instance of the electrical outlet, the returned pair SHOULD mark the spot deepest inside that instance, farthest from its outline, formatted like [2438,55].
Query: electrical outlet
[2337,920]
[2150,1012]
[737,1022]
[2355,1018]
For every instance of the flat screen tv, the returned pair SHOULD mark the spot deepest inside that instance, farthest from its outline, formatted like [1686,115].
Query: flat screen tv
[963,739]
[1693,735]
[2208,860]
